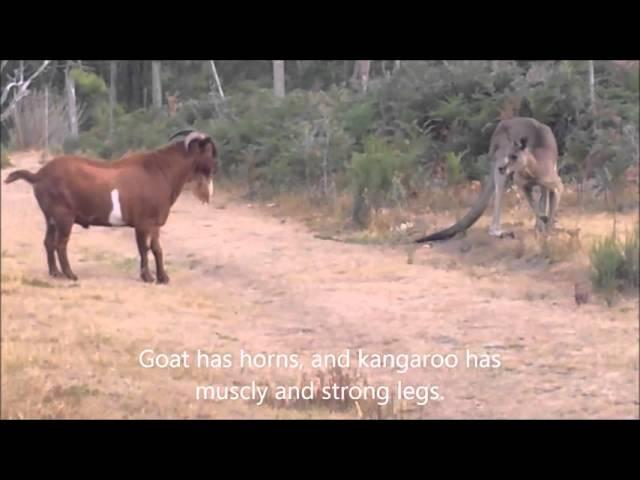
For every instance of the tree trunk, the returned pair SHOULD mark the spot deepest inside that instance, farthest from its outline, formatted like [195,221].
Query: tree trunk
[325,163]
[361,74]
[113,76]
[278,78]
[70,86]
[46,121]
[592,87]
[156,84]
[216,79]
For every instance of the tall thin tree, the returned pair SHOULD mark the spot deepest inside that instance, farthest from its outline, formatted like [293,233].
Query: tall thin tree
[278,78]
[113,77]
[70,86]
[360,76]
[156,84]
[592,87]
[216,79]
[46,121]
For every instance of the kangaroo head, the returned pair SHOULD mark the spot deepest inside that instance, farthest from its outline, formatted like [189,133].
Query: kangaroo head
[512,156]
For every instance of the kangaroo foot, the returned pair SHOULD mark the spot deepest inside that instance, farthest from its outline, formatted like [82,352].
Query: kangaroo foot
[499,233]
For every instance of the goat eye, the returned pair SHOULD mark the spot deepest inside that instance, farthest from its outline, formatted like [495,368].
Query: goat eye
[512,158]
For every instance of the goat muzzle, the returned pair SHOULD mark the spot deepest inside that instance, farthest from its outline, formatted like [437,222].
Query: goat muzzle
[203,188]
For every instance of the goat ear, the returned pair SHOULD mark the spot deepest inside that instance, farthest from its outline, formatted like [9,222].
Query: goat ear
[207,147]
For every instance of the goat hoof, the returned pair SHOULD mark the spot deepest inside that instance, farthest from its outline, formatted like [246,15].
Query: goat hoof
[163,279]
[71,276]
[146,277]
[56,274]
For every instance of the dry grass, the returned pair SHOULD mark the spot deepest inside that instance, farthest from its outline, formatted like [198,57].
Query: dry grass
[35,282]
[313,384]
[590,202]
[243,279]
[331,217]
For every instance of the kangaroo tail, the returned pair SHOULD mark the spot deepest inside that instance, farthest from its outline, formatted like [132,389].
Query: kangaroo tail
[468,220]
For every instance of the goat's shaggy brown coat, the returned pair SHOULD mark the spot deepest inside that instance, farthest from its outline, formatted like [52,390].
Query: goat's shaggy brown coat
[135,191]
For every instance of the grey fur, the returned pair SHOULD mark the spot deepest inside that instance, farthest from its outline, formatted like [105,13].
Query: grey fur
[527,151]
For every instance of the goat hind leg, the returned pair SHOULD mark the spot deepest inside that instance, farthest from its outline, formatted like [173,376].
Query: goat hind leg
[50,247]
[143,240]
[63,233]
[161,273]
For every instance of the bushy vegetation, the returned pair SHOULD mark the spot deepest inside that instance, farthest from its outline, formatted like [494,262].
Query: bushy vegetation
[615,263]
[426,120]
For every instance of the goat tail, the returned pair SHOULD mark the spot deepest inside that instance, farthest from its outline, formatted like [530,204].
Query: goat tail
[22,175]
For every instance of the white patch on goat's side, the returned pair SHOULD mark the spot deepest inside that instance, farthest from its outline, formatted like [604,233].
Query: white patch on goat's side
[115,217]
[210,188]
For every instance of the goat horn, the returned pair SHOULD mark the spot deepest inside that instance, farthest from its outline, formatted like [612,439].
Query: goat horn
[180,133]
[193,136]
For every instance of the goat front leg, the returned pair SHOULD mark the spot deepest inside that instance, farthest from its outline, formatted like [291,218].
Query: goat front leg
[161,273]
[63,232]
[50,247]
[143,239]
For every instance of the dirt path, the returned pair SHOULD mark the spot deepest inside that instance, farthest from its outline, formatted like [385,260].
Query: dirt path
[243,279]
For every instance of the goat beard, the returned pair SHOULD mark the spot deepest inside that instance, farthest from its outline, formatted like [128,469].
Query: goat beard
[203,188]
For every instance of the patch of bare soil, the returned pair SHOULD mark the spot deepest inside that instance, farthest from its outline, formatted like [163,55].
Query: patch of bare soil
[242,279]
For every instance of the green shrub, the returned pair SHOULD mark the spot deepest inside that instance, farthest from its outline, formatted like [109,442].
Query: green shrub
[88,83]
[381,173]
[71,145]
[631,254]
[607,263]
[381,144]
[614,264]
[453,163]
[92,92]
[358,118]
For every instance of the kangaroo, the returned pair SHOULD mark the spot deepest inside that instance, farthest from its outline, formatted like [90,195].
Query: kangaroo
[526,151]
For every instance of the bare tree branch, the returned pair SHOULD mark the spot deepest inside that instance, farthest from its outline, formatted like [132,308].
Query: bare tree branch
[22,90]
[216,78]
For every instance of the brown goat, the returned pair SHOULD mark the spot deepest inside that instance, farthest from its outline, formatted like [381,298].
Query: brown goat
[137,191]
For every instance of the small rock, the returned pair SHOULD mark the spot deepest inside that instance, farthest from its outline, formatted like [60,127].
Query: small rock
[466,247]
